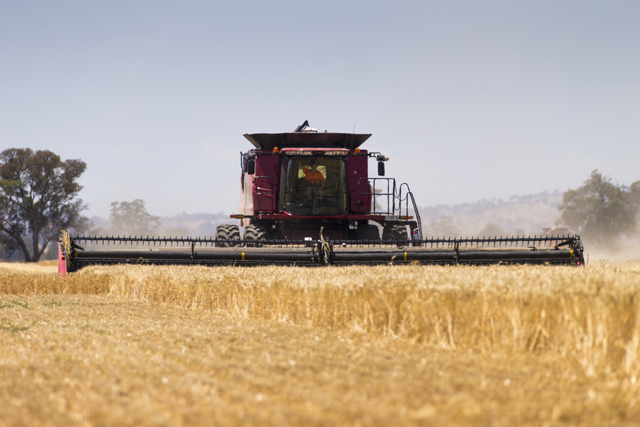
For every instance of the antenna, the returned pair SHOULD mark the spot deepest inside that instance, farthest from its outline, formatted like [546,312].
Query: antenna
[354,128]
[302,127]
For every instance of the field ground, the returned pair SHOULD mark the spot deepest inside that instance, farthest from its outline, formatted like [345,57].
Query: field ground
[410,345]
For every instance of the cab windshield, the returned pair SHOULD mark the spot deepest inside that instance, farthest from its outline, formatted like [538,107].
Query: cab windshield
[315,186]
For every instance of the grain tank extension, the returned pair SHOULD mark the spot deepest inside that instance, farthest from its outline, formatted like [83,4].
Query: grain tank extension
[308,198]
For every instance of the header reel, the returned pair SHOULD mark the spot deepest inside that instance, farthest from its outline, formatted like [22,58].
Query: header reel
[554,250]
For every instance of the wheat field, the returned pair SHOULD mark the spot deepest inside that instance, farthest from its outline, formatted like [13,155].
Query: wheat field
[385,345]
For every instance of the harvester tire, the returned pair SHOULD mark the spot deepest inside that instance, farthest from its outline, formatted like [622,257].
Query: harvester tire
[368,232]
[222,234]
[395,232]
[228,233]
[253,233]
[234,235]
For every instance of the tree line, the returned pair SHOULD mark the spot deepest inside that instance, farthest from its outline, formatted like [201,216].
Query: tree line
[39,197]
[602,212]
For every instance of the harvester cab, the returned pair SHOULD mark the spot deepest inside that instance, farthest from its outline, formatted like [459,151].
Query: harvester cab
[306,198]
[295,184]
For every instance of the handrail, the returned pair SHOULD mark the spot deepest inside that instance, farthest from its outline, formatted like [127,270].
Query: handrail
[390,194]
[409,195]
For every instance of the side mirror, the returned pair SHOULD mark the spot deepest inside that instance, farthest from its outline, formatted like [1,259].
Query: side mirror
[380,168]
[251,167]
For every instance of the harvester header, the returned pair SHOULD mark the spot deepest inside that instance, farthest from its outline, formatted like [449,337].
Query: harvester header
[307,198]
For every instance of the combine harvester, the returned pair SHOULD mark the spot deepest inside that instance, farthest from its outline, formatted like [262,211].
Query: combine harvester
[307,199]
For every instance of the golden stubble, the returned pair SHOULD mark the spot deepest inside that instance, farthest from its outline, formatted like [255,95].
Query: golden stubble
[509,344]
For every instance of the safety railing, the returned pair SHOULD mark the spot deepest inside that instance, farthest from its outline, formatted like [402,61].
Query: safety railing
[396,201]
[403,202]
[382,192]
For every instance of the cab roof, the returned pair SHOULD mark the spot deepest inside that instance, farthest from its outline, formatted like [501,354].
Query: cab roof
[267,141]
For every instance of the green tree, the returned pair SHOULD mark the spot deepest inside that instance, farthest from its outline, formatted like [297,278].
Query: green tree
[38,199]
[601,211]
[132,218]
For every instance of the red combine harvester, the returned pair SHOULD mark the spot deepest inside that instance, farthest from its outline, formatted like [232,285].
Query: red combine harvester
[307,199]
[295,185]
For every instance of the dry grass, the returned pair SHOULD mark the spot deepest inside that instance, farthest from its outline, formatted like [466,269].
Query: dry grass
[43,267]
[381,345]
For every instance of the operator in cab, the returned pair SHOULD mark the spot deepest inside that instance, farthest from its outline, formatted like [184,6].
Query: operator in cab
[313,175]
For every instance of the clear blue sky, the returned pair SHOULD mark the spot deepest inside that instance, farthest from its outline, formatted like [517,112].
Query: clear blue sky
[469,99]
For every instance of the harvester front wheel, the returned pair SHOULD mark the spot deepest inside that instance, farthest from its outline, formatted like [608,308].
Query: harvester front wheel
[395,232]
[252,233]
[234,235]
[227,233]
[222,234]
[368,232]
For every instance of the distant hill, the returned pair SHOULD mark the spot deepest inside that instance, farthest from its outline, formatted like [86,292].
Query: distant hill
[527,214]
